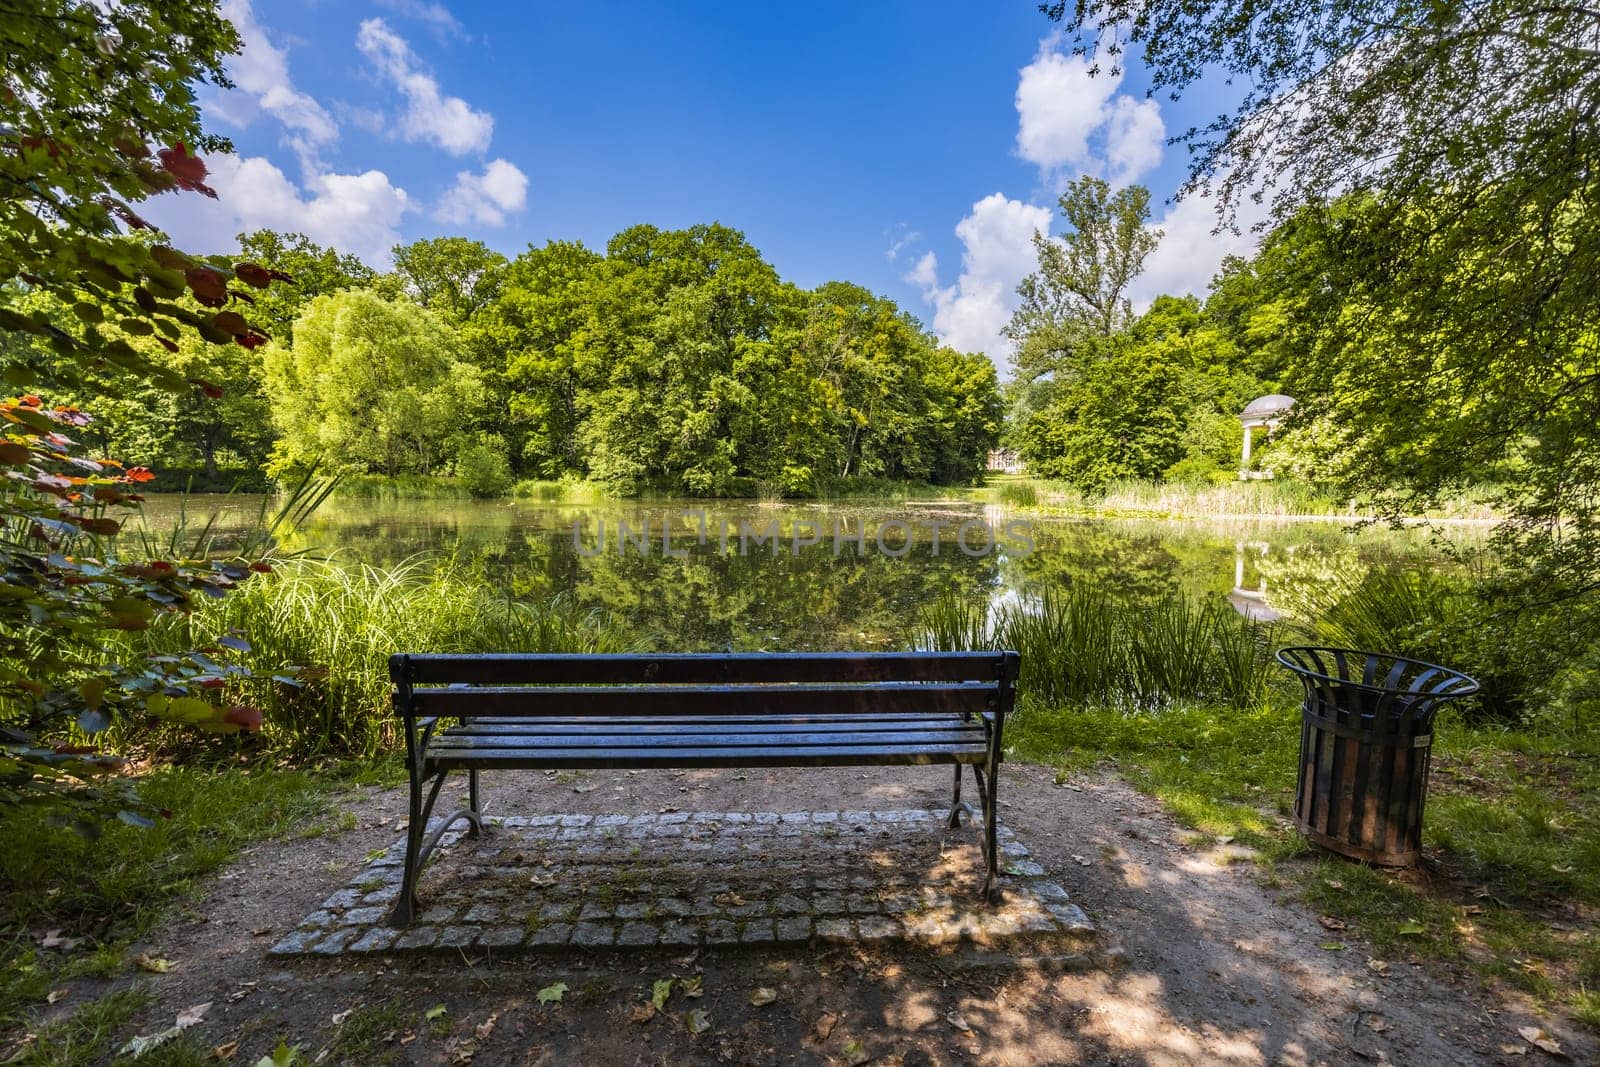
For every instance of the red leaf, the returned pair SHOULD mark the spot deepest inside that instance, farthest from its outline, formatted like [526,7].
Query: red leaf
[209,286]
[252,339]
[261,568]
[253,275]
[30,401]
[104,527]
[169,344]
[246,717]
[231,321]
[170,258]
[187,170]
[139,474]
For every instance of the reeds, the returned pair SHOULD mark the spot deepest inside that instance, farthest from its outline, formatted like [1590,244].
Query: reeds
[1080,647]
[339,624]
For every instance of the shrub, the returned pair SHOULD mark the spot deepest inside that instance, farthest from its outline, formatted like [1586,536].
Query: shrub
[483,469]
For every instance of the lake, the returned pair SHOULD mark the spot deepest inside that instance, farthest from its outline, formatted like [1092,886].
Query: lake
[697,574]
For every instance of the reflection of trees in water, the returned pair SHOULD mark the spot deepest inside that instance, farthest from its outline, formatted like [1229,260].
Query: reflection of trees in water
[815,599]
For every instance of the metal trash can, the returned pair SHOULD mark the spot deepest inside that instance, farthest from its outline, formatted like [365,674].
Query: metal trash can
[1365,741]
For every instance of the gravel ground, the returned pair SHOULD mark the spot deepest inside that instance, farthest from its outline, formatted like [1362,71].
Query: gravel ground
[1198,962]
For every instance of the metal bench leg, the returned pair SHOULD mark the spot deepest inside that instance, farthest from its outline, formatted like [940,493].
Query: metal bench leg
[991,850]
[405,907]
[474,805]
[955,803]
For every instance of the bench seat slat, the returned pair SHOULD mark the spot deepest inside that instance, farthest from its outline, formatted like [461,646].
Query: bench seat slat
[512,728]
[531,701]
[755,756]
[624,738]
[701,667]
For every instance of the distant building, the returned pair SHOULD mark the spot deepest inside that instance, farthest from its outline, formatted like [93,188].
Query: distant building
[1263,413]
[1005,461]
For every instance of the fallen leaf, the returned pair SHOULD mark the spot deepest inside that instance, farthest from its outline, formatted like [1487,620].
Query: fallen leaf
[1333,946]
[763,996]
[485,1028]
[1082,861]
[697,1021]
[138,1046]
[1513,1050]
[56,994]
[261,931]
[435,1012]
[660,993]
[552,994]
[643,1012]
[154,964]
[1379,967]
[1538,1038]
[191,1015]
[855,1054]
[340,1016]
[957,1020]
[1330,923]
[824,1025]
[691,987]
[464,1052]
[1411,928]
[225,1051]
[584,788]
[1377,1024]
[53,939]
[1334,883]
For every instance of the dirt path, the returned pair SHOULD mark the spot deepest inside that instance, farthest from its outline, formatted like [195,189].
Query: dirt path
[1202,963]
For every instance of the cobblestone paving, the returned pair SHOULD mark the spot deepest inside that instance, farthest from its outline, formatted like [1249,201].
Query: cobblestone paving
[677,879]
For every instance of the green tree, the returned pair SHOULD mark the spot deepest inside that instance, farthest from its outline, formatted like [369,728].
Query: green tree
[371,385]
[86,90]
[1079,293]
[453,277]
[1454,329]
[316,270]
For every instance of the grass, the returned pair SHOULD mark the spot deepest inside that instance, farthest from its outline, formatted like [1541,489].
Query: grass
[115,888]
[1081,647]
[1512,831]
[1282,498]
[342,623]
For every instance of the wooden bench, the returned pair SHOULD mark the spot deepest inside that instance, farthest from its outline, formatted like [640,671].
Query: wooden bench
[569,712]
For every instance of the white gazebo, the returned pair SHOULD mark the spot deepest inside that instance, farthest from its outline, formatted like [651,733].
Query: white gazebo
[1264,412]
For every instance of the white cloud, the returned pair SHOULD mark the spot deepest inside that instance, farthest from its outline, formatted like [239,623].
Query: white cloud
[997,253]
[446,121]
[357,213]
[435,15]
[484,198]
[1070,119]
[901,239]
[261,73]
[1190,253]
[1135,137]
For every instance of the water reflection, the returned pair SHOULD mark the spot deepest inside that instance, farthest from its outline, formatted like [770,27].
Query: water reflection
[789,591]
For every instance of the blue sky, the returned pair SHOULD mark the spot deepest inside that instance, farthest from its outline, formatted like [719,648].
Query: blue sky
[912,147]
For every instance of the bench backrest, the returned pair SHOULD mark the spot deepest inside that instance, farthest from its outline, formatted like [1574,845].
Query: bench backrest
[809,683]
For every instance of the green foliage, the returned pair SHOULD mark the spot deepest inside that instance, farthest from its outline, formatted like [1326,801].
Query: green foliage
[60,681]
[371,385]
[342,623]
[1079,293]
[482,467]
[1459,621]
[1081,647]
[680,362]
[453,277]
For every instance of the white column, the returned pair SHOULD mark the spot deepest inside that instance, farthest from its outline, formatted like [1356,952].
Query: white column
[1245,463]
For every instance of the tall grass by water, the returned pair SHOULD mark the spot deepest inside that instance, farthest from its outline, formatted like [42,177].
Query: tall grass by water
[340,623]
[1080,647]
